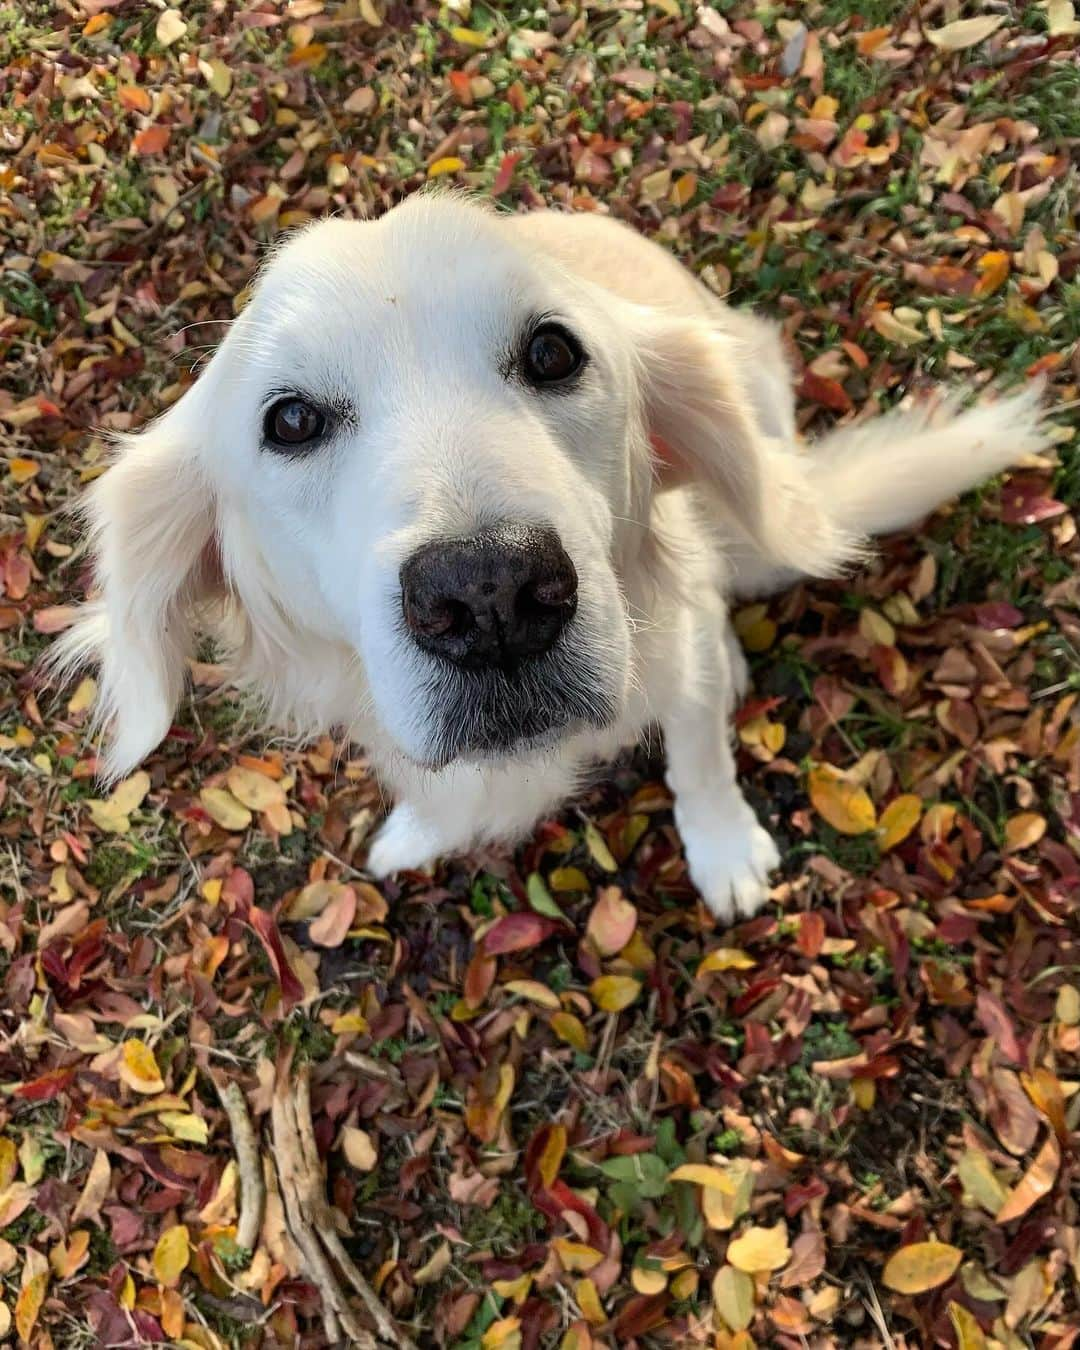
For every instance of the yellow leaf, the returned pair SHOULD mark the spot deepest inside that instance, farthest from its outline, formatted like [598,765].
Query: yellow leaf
[170,27]
[448,164]
[760,1249]
[846,807]
[647,1281]
[701,1174]
[733,1294]
[921,1266]
[864,1091]
[980,1181]
[171,1255]
[756,631]
[358,1148]
[29,1302]
[504,1334]
[9,1162]
[598,849]
[550,1159]
[469,36]
[139,1069]
[898,820]
[969,1334]
[534,991]
[185,1125]
[518,1289]
[254,790]
[576,1256]
[223,808]
[955,37]
[588,1300]
[1061,19]
[83,697]
[725,958]
[613,993]
[570,1029]
[723,1209]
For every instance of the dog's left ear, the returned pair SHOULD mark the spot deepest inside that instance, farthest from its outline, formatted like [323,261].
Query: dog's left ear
[702,428]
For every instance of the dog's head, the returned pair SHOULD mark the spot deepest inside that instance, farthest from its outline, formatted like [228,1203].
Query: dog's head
[412,476]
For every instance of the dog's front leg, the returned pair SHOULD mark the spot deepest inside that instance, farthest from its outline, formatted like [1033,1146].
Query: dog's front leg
[441,814]
[728,853]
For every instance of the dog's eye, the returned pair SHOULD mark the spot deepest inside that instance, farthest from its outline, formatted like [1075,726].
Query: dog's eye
[552,356]
[291,423]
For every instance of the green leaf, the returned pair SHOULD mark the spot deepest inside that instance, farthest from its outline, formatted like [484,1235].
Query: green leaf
[540,898]
[645,1173]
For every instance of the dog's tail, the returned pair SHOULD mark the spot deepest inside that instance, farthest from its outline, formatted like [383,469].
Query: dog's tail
[891,471]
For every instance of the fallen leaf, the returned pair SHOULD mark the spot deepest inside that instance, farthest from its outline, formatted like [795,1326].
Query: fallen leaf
[139,1069]
[1036,1182]
[921,1266]
[613,993]
[703,1175]
[964,33]
[612,922]
[359,1150]
[171,1255]
[733,1294]
[760,1249]
[223,808]
[332,926]
[898,820]
[170,27]
[843,804]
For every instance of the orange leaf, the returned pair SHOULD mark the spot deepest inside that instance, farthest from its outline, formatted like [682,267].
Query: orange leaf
[1036,1182]
[134,98]
[151,140]
[309,56]
[845,806]
[1024,830]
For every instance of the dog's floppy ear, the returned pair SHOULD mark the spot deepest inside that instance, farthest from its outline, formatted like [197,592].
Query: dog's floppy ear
[155,558]
[702,429]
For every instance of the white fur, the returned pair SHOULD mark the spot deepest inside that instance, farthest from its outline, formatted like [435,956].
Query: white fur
[294,561]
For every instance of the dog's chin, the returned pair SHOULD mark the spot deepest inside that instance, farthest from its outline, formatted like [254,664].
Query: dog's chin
[491,717]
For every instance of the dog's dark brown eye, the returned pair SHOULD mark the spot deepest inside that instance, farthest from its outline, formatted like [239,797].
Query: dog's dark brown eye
[292,423]
[552,356]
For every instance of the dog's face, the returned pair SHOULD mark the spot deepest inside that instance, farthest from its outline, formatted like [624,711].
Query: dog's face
[422,436]
[413,472]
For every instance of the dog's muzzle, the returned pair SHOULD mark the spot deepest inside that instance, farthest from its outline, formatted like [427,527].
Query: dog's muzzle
[508,673]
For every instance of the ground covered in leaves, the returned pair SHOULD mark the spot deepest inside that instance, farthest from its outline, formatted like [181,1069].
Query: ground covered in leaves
[553,1103]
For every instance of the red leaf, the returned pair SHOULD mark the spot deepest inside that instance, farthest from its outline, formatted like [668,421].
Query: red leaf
[292,991]
[1024,502]
[829,393]
[517,933]
[505,175]
[45,1088]
[998,614]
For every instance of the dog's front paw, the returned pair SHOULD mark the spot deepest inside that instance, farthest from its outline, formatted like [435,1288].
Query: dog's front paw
[730,862]
[402,844]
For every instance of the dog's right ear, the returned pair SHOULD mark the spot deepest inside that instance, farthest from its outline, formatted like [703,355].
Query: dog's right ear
[155,556]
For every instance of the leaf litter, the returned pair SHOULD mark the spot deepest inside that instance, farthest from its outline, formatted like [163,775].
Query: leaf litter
[538,1099]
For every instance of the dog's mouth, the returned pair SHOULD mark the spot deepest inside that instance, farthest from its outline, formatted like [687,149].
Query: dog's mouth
[492,714]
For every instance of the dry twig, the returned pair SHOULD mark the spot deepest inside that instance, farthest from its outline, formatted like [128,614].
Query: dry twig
[246,1147]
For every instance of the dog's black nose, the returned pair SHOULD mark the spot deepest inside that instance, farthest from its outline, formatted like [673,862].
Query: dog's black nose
[492,599]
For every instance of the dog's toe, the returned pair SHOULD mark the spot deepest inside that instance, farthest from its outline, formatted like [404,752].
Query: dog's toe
[730,865]
[401,844]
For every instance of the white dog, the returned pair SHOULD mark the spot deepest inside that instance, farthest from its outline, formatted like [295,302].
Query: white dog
[477,488]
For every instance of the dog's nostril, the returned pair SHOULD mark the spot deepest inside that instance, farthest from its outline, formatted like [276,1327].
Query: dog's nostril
[494,599]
